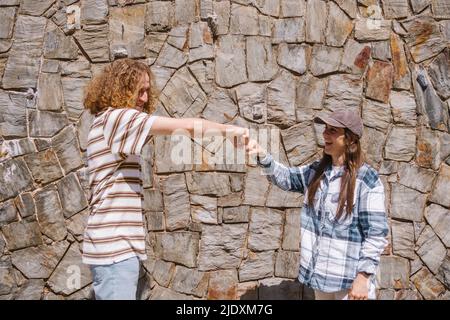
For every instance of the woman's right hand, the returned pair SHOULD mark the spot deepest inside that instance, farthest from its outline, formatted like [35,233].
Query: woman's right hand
[240,136]
[254,149]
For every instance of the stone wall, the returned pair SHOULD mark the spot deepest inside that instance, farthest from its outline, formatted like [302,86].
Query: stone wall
[222,231]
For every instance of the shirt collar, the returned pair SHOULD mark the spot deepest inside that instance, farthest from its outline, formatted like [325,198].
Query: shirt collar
[329,172]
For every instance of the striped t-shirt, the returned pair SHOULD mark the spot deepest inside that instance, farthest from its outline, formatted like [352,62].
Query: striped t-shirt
[115,228]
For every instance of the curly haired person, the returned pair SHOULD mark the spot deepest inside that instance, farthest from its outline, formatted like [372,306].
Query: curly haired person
[122,100]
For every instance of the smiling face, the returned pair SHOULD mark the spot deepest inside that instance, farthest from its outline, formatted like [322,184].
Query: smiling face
[334,141]
[142,97]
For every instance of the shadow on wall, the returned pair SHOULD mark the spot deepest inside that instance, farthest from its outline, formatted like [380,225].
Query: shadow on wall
[266,289]
[284,290]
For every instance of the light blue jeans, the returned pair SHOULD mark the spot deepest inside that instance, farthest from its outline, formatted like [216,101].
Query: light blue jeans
[117,281]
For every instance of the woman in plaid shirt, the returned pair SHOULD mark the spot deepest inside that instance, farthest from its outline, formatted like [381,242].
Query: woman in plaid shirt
[341,244]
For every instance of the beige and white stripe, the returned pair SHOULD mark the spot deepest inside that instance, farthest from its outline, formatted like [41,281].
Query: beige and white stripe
[115,228]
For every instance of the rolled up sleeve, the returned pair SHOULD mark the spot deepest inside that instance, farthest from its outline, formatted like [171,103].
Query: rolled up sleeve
[286,178]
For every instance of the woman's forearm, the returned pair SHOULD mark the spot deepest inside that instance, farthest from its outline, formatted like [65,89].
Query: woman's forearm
[288,179]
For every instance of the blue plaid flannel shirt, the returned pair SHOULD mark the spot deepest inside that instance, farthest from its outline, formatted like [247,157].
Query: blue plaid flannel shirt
[333,252]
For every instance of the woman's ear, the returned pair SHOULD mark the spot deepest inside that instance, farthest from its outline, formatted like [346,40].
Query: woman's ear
[351,145]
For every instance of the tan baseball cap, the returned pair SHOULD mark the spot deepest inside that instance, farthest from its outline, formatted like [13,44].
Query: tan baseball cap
[342,119]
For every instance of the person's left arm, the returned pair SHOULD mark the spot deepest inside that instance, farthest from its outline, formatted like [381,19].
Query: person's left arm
[373,222]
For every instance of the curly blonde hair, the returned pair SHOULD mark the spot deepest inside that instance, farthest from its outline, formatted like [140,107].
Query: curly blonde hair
[118,85]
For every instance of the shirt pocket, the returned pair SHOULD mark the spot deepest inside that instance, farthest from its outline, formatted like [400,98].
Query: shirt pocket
[331,206]
[316,205]
[314,208]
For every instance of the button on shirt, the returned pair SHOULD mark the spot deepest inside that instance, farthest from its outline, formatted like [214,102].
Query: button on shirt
[333,251]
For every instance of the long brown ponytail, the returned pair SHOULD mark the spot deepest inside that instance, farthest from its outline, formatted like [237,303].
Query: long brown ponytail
[354,159]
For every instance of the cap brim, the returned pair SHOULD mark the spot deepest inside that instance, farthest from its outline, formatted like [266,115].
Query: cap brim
[327,120]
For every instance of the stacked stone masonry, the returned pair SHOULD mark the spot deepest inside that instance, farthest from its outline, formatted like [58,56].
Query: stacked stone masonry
[222,231]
